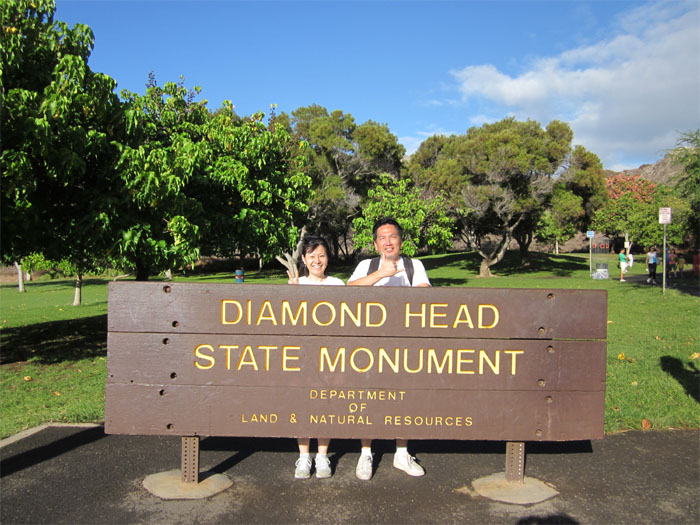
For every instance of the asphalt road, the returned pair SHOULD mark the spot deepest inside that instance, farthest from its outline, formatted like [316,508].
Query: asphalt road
[81,475]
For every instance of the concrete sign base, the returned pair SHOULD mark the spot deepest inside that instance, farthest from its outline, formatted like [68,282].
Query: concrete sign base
[496,487]
[169,485]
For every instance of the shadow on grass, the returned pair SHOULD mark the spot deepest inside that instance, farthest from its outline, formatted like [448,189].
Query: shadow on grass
[689,378]
[562,265]
[689,286]
[56,341]
[60,283]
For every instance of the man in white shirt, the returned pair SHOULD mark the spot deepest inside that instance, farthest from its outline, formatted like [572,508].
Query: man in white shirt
[392,269]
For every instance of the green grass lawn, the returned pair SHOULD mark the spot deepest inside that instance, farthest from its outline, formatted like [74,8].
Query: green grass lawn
[53,355]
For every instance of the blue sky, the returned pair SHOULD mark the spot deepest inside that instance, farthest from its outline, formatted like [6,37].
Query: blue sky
[624,74]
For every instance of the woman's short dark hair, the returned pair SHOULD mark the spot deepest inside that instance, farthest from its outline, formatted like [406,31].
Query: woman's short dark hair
[308,244]
[385,221]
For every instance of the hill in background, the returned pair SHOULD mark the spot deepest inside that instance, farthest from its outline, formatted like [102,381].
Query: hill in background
[662,172]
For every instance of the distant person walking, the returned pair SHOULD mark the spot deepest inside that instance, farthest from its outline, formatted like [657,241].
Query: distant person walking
[681,264]
[672,264]
[622,263]
[651,261]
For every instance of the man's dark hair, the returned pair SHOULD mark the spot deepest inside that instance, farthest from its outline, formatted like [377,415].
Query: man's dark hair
[384,221]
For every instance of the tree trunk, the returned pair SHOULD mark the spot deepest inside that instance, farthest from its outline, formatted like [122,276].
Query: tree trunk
[142,272]
[556,246]
[78,295]
[485,268]
[495,255]
[524,241]
[20,277]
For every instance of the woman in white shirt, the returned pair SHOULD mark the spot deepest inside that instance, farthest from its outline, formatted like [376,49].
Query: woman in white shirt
[314,261]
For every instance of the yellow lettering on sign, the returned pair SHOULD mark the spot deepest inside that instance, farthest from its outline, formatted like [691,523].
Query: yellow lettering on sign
[330,307]
[462,360]
[370,359]
[420,315]
[434,314]
[287,311]
[345,310]
[439,367]
[405,362]
[463,317]
[324,357]
[368,314]
[247,352]
[269,316]
[495,367]
[482,308]
[228,354]
[199,355]
[286,357]
[384,356]
[224,311]
[513,356]
[267,355]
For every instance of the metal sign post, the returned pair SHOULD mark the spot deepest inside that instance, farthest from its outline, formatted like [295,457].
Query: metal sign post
[590,234]
[665,218]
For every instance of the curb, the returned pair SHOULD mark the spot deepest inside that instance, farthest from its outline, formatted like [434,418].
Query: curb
[31,431]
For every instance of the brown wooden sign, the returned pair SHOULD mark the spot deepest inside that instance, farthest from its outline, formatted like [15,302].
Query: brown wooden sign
[355,362]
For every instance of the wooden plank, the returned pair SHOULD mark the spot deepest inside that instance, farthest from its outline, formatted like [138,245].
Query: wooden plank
[255,360]
[514,365]
[379,311]
[187,410]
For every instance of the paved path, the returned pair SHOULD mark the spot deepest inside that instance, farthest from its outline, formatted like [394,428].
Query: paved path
[80,475]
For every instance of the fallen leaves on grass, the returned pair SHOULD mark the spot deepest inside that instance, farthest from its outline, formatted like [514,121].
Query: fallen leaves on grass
[694,356]
[27,378]
[621,356]
[646,424]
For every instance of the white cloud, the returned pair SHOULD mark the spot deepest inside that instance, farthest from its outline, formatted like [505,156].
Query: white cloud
[411,143]
[627,98]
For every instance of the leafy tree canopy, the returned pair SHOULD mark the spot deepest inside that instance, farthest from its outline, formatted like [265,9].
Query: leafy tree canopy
[632,211]
[687,154]
[59,127]
[198,184]
[425,221]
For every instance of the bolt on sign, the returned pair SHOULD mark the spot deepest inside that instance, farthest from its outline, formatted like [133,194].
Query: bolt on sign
[355,362]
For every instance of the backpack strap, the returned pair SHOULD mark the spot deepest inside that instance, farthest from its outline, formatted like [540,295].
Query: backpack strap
[407,264]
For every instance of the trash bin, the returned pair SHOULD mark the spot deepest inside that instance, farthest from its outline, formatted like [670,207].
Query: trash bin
[240,276]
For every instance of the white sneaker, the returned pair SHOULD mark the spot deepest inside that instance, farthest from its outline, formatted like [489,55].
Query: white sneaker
[364,467]
[323,467]
[408,464]
[303,470]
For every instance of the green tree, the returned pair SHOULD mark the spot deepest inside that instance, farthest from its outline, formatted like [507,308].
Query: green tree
[585,177]
[497,177]
[558,222]
[58,131]
[425,221]
[344,160]
[198,184]
[687,154]
[632,211]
